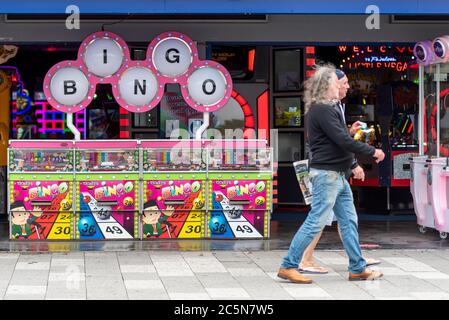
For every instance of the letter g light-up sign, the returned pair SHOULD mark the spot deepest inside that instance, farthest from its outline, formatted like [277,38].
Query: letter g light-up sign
[138,86]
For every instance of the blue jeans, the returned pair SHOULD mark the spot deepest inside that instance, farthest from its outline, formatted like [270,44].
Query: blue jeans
[331,192]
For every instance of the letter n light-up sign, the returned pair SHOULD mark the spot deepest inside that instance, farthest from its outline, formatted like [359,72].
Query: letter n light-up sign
[138,86]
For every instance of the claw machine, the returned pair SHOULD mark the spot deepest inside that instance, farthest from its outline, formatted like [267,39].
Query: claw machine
[240,174]
[107,190]
[430,169]
[40,183]
[174,183]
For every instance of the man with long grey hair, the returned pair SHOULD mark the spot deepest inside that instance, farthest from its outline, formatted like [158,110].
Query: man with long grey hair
[333,152]
[308,264]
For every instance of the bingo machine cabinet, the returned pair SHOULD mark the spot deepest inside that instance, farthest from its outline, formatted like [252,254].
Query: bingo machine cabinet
[174,183]
[240,179]
[40,176]
[107,190]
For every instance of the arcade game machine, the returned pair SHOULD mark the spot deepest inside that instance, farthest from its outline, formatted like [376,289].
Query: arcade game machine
[40,175]
[107,190]
[174,185]
[396,112]
[384,95]
[5,97]
[240,178]
[430,167]
[52,124]
[102,116]
[427,138]
[23,112]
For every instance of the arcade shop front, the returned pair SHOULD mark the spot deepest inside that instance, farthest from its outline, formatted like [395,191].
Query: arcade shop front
[261,61]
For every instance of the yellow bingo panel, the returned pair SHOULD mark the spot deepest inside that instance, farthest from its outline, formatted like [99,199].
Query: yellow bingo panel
[61,231]
[192,228]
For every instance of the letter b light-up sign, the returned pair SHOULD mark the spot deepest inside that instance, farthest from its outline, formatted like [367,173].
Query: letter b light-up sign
[138,86]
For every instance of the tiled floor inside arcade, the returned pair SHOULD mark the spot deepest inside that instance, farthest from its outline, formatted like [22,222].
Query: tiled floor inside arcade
[415,266]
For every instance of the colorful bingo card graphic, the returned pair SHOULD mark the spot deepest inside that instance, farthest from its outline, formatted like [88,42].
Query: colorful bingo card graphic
[107,210]
[41,210]
[173,209]
[238,209]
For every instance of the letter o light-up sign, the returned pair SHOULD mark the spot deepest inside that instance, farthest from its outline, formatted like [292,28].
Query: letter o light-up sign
[423,52]
[440,47]
[138,86]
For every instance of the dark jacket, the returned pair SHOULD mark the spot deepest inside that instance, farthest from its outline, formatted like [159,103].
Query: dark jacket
[330,143]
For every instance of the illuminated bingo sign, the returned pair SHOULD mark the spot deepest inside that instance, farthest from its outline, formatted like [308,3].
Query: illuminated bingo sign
[138,86]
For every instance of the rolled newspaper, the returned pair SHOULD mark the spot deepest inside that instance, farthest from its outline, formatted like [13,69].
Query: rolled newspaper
[302,174]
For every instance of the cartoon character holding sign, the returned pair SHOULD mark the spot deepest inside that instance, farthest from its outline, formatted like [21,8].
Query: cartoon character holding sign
[23,219]
[153,218]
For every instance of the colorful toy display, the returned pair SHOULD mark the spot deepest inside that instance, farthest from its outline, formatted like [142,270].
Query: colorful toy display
[107,189]
[41,190]
[174,190]
[190,189]
[239,176]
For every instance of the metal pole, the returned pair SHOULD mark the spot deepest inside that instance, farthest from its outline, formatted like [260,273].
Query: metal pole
[437,97]
[204,126]
[421,111]
[72,127]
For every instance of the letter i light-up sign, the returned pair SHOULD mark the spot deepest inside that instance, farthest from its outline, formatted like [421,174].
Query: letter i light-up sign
[137,86]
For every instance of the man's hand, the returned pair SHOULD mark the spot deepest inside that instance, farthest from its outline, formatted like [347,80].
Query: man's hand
[379,155]
[354,128]
[358,173]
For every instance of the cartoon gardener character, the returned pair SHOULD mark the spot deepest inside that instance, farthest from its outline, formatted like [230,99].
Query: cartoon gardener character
[22,219]
[153,218]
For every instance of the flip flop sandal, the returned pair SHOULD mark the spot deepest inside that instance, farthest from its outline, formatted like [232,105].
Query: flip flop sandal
[372,262]
[313,270]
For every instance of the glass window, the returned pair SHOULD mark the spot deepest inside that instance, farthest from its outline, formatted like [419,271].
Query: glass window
[146,119]
[444,111]
[91,161]
[176,159]
[222,159]
[104,115]
[290,146]
[238,60]
[430,88]
[287,70]
[175,113]
[230,117]
[288,112]
[40,161]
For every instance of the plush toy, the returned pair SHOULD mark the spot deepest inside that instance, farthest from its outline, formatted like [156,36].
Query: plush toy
[365,134]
